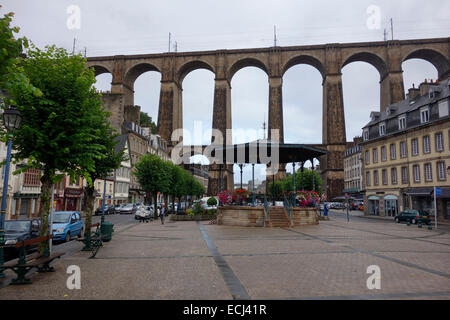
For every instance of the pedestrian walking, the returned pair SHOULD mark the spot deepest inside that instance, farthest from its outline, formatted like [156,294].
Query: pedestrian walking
[163,208]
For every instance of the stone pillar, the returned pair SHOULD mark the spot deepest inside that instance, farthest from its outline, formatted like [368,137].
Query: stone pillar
[333,135]
[118,84]
[169,110]
[276,117]
[392,89]
[221,121]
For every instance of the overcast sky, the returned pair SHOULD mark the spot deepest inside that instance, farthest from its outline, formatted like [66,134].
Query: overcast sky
[110,27]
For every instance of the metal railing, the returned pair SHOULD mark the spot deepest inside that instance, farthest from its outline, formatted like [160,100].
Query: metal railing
[266,207]
[289,207]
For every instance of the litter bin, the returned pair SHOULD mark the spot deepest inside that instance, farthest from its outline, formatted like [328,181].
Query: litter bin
[106,229]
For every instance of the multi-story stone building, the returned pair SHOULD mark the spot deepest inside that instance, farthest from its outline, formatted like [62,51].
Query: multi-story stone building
[138,146]
[353,181]
[406,152]
[122,176]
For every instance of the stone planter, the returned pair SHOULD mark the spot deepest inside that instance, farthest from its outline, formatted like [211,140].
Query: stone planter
[304,216]
[241,216]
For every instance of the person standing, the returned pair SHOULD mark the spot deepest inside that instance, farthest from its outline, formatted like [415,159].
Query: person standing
[163,208]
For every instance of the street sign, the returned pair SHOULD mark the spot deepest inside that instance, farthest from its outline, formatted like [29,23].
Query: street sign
[438,191]
[109,197]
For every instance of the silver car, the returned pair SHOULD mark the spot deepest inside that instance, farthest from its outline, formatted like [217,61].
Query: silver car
[144,212]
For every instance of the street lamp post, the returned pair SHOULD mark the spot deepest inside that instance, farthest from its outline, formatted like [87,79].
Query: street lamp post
[11,121]
[103,202]
[253,184]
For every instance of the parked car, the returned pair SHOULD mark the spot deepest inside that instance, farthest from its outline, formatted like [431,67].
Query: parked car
[129,208]
[19,230]
[67,224]
[145,211]
[413,216]
[356,205]
[109,209]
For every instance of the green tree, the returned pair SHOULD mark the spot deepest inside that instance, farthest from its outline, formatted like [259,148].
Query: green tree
[276,188]
[103,166]
[11,53]
[56,134]
[146,121]
[307,180]
[154,175]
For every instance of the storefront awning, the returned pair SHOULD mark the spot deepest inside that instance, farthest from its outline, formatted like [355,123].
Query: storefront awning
[419,192]
[428,192]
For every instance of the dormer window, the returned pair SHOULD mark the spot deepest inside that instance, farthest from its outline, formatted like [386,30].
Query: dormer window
[402,122]
[424,114]
[382,128]
[366,134]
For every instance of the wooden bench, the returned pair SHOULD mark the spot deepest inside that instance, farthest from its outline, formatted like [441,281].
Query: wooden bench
[25,262]
[94,242]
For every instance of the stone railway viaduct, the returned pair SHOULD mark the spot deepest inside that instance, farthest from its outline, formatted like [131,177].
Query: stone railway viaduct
[329,59]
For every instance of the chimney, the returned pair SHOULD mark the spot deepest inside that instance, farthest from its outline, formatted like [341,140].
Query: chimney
[413,93]
[424,87]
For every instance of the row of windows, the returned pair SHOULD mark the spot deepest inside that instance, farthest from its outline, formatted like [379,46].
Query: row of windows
[443,110]
[426,148]
[356,184]
[404,172]
[352,173]
[122,187]
[123,172]
[353,161]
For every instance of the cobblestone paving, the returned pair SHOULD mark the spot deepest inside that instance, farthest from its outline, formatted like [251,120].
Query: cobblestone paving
[189,260]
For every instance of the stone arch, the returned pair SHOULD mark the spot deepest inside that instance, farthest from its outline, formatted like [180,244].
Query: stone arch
[190,66]
[99,69]
[371,58]
[304,59]
[437,59]
[135,71]
[246,62]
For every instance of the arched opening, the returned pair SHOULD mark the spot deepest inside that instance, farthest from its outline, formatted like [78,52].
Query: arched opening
[437,59]
[302,106]
[361,92]
[103,82]
[197,110]
[146,95]
[246,62]
[416,71]
[249,104]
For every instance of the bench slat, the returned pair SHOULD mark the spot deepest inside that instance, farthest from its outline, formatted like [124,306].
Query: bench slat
[32,241]
[43,259]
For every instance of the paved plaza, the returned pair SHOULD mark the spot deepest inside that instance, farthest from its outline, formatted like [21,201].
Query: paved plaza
[196,260]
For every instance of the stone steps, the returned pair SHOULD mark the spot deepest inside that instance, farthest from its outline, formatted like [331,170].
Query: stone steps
[278,217]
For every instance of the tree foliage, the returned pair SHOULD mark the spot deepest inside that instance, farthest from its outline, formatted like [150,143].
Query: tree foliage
[11,53]
[147,121]
[59,128]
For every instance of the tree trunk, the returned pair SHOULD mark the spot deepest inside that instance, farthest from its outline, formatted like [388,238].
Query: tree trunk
[45,208]
[155,198]
[90,199]
[173,204]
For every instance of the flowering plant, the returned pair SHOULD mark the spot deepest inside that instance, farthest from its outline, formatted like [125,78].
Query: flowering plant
[308,198]
[240,194]
[225,197]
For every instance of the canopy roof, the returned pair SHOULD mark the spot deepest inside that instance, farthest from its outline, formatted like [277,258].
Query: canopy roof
[265,151]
